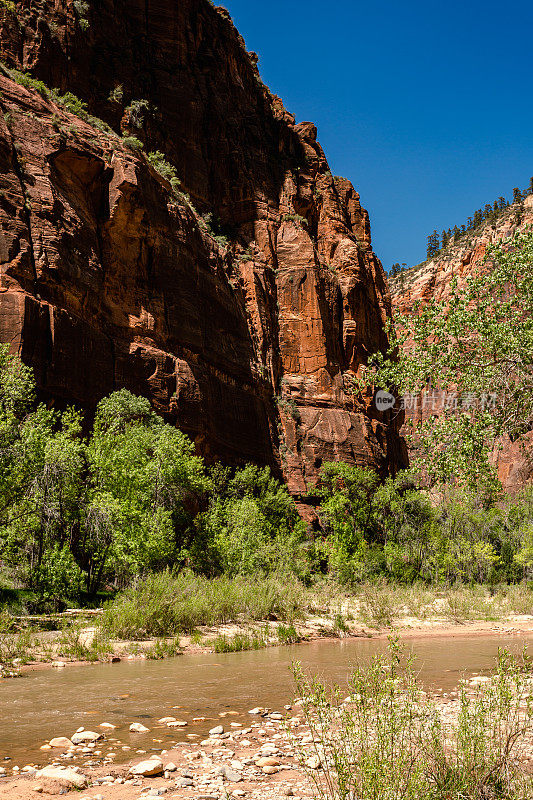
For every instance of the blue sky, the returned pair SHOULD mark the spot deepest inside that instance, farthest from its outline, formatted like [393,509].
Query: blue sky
[425,106]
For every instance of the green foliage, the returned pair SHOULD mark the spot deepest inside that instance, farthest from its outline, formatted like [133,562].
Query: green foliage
[81,7]
[239,642]
[164,604]
[296,218]
[478,342]
[8,5]
[26,80]
[393,530]
[388,741]
[158,161]
[117,94]
[213,226]
[132,142]
[488,215]
[251,526]
[136,111]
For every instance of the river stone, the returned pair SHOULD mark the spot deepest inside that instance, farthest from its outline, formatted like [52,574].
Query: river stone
[270,770]
[66,774]
[232,775]
[313,762]
[108,725]
[152,766]
[167,719]
[183,783]
[60,741]
[85,737]
[276,716]
[216,731]
[267,761]
[177,723]
[136,727]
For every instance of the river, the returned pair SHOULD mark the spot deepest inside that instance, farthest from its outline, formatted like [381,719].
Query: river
[50,702]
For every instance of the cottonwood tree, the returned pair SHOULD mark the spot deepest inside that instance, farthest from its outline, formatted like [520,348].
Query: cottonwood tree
[478,343]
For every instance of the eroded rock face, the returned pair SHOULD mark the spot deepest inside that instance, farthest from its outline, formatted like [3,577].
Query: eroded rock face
[249,341]
[431,280]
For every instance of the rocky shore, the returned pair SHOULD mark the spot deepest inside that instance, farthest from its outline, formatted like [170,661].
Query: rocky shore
[269,758]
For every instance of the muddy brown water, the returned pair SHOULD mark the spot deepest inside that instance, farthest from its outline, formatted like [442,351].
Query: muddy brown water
[49,703]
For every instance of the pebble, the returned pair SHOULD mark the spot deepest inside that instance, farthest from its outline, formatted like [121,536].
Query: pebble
[267,761]
[313,762]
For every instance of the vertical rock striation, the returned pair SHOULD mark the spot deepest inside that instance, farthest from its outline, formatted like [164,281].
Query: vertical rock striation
[244,308]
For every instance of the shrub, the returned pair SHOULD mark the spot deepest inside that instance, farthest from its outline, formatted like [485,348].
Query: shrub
[132,142]
[81,7]
[163,604]
[158,161]
[296,218]
[136,111]
[389,741]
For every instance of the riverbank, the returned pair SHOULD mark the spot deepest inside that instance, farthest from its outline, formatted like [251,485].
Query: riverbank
[311,631]
[375,611]
[272,755]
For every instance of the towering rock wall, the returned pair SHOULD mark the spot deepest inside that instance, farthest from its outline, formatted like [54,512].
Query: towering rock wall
[432,279]
[243,308]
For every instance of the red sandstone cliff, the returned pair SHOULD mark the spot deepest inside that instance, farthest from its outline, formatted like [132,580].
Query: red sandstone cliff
[109,279]
[432,278]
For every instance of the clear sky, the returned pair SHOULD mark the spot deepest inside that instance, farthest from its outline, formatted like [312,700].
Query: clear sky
[426,106]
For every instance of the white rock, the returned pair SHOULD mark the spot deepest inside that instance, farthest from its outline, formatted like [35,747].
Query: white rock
[136,727]
[66,774]
[313,762]
[167,719]
[86,737]
[152,766]
[216,731]
[107,725]
[60,741]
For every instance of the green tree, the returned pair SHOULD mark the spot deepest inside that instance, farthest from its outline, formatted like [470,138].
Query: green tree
[479,344]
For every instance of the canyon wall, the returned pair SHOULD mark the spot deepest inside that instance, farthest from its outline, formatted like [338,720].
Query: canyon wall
[431,280]
[243,302]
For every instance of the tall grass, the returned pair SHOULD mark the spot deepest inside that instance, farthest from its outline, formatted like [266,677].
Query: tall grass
[389,742]
[163,604]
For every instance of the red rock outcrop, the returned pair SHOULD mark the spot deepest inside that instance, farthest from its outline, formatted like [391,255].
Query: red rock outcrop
[431,280]
[248,340]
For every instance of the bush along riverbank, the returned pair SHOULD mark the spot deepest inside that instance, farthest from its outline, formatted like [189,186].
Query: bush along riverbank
[380,736]
[164,615]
